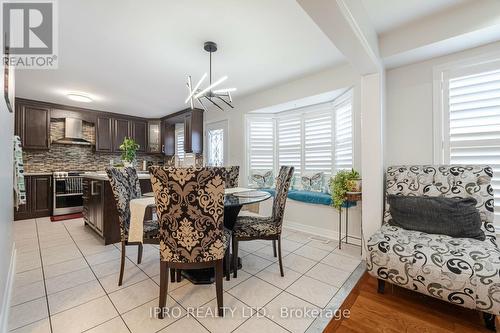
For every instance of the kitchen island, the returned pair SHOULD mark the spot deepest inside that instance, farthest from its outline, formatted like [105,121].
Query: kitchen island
[99,206]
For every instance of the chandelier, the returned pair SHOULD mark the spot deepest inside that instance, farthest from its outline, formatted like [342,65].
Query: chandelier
[208,95]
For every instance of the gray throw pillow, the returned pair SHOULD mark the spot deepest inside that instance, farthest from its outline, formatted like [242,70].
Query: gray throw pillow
[455,217]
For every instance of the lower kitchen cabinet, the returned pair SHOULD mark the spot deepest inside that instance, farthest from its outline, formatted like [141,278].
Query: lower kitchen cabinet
[99,208]
[38,198]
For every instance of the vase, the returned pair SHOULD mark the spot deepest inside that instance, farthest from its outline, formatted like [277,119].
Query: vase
[354,185]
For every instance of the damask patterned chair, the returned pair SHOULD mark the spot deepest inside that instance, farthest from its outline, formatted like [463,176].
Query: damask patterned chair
[249,228]
[126,186]
[461,271]
[232,176]
[190,205]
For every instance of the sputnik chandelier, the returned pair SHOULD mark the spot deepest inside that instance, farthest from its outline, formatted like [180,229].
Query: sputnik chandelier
[208,95]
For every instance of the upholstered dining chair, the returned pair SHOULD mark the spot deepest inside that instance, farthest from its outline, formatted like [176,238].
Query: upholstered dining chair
[190,206]
[249,228]
[232,176]
[126,186]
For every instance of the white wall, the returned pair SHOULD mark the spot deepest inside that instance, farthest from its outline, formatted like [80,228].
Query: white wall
[409,114]
[6,199]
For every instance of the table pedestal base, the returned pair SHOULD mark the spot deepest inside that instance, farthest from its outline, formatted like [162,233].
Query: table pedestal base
[205,275]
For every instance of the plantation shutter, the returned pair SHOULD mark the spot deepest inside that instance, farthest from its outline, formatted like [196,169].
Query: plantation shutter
[318,141]
[343,134]
[474,123]
[179,144]
[261,144]
[289,142]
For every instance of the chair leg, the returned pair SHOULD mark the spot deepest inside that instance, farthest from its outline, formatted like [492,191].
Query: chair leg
[139,254]
[227,263]
[279,257]
[172,275]
[489,321]
[218,286]
[235,257]
[163,287]
[274,248]
[381,286]
[122,264]
[178,275]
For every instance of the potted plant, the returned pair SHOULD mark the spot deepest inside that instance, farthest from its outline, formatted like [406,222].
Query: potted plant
[344,181]
[129,151]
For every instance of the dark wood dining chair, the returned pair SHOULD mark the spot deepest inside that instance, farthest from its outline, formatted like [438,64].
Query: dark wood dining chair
[190,205]
[126,186]
[249,228]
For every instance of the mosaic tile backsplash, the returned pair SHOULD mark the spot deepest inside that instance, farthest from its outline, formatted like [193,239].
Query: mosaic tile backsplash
[63,157]
[73,157]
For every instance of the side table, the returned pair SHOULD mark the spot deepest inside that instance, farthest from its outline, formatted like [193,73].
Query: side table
[351,197]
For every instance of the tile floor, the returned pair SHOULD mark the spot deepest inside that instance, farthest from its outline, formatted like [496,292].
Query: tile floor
[66,281]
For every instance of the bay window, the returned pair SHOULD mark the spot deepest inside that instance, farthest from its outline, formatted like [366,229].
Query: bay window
[316,138]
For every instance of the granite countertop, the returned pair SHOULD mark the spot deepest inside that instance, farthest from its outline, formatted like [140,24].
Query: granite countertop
[104,176]
[37,173]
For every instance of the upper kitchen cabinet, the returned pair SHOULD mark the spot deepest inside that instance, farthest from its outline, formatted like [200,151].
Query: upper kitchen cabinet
[104,134]
[32,124]
[193,132]
[192,121]
[154,137]
[168,147]
[140,134]
[122,130]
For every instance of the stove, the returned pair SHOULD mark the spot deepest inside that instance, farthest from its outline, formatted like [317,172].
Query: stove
[67,192]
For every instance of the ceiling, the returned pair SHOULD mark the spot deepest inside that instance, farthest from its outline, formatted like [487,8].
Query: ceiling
[387,15]
[132,57]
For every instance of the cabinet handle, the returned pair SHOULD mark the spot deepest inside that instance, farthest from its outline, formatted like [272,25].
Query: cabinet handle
[162,148]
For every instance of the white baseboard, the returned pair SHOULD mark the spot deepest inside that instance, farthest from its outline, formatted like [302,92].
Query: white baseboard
[4,315]
[320,232]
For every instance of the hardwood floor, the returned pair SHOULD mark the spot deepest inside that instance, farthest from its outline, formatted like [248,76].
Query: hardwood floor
[401,310]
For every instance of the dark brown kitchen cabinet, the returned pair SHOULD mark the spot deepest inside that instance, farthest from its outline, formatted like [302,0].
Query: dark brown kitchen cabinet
[99,208]
[104,134]
[140,134]
[193,132]
[192,121]
[93,204]
[33,125]
[38,198]
[122,129]
[41,193]
[168,139]
[154,137]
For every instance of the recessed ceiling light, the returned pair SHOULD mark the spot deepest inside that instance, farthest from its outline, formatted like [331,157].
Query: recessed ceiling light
[79,97]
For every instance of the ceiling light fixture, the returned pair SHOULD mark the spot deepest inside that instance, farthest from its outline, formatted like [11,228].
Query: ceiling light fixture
[78,97]
[208,94]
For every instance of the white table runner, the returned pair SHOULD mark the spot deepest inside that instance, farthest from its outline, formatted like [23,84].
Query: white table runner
[138,209]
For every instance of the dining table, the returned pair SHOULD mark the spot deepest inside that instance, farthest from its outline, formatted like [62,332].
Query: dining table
[234,200]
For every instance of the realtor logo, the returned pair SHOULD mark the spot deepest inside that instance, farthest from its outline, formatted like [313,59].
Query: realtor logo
[30,33]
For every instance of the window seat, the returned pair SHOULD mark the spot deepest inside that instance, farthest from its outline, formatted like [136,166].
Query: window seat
[318,198]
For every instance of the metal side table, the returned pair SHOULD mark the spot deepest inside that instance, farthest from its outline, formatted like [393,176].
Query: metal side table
[351,197]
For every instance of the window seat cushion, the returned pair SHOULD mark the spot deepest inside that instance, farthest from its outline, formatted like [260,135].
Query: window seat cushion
[318,198]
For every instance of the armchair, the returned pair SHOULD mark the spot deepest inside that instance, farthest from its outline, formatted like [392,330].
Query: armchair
[461,271]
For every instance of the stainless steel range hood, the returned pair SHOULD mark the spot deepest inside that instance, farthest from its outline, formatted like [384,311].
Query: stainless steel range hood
[73,133]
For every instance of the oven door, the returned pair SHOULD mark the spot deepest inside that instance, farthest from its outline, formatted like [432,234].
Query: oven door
[68,195]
